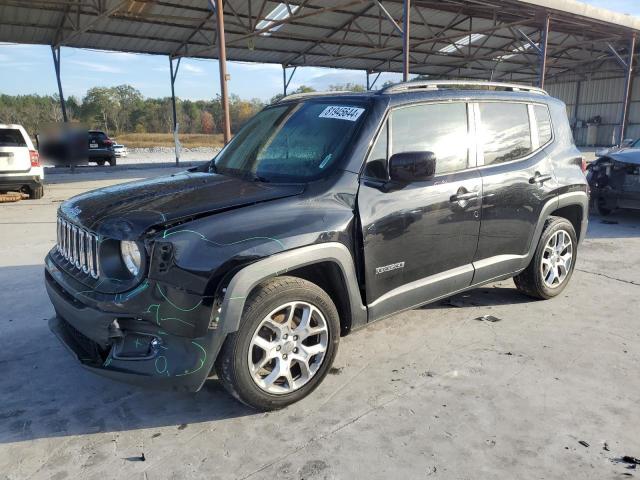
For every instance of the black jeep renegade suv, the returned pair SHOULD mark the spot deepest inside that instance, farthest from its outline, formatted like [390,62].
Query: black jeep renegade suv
[324,213]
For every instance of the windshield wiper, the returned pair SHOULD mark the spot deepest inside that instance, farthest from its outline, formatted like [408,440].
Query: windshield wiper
[254,177]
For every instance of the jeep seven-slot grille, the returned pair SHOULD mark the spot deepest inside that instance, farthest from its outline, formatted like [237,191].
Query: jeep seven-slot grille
[79,247]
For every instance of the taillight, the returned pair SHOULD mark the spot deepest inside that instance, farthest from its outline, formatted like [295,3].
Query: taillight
[35,158]
[583,165]
[108,142]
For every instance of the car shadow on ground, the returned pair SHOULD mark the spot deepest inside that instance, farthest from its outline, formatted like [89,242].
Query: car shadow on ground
[45,393]
[502,293]
[619,224]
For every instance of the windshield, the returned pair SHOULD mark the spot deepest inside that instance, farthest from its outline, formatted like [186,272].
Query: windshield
[291,143]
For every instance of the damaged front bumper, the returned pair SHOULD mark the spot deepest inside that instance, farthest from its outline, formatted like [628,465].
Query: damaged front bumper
[155,335]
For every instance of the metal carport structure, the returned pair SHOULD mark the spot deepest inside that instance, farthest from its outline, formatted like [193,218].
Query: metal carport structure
[525,41]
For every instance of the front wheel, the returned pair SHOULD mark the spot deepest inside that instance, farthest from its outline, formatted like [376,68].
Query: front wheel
[285,346]
[552,265]
[601,207]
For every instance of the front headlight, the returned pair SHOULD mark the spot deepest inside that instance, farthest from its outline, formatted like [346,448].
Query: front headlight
[131,256]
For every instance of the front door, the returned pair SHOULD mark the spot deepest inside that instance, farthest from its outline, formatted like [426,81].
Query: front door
[419,241]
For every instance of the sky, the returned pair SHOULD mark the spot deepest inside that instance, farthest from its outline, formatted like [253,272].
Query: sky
[33,72]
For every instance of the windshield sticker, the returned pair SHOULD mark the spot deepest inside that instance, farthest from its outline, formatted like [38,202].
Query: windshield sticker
[342,113]
[326,160]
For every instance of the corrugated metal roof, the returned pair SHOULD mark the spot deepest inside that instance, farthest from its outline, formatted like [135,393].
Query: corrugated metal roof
[352,34]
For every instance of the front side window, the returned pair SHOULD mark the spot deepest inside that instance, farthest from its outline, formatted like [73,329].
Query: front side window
[505,132]
[293,142]
[441,128]
[377,164]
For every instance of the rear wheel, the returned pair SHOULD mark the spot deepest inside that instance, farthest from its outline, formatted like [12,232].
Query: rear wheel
[36,192]
[100,162]
[285,345]
[112,161]
[600,205]
[553,262]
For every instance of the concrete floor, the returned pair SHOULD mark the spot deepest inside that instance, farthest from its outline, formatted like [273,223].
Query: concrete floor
[428,393]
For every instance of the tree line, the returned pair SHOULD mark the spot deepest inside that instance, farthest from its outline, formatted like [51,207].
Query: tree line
[123,109]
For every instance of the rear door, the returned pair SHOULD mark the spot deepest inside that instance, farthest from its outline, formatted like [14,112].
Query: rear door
[14,151]
[517,181]
[419,241]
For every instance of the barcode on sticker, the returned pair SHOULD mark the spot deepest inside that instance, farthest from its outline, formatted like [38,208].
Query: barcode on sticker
[343,113]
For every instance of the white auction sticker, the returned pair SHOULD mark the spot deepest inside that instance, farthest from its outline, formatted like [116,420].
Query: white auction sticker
[342,113]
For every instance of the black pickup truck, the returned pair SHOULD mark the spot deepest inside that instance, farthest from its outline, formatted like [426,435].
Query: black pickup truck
[323,214]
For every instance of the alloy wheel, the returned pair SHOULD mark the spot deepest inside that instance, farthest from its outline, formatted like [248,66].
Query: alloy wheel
[288,347]
[557,259]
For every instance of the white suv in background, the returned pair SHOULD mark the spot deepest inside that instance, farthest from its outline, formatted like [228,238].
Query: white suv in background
[20,168]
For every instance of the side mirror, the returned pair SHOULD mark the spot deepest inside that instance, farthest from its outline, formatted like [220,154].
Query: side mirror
[410,167]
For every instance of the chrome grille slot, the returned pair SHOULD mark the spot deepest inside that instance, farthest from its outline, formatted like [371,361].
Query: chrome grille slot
[78,246]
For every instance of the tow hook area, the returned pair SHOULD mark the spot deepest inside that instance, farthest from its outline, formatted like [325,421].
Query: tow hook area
[132,345]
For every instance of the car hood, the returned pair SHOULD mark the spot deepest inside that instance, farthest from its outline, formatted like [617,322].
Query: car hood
[631,155]
[127,210]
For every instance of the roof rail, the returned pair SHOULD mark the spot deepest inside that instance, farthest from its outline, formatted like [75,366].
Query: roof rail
[294,96]
[462,84]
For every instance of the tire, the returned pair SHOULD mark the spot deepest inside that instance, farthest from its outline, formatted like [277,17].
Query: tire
[239,351]
[112,161]
[36,192]
[532,281]
[100,163]
[599,204]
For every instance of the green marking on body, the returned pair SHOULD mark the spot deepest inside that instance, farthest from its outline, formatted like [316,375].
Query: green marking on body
[202,361]
[176,306]
[218,244]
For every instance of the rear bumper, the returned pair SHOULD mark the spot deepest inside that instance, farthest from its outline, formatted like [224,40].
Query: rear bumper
[15,182]
[128,349]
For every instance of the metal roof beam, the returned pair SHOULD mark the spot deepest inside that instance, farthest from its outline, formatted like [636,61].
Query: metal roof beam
[389,17]
[104,14]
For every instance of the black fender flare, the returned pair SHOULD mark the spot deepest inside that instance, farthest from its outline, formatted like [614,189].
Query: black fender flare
[244,281]
[579,198]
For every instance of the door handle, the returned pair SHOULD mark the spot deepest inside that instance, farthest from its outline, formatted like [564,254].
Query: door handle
[539,178]
[462,197]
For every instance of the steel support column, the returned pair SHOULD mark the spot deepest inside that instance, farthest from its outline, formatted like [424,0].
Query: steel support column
[627,89]
[222,67]
[576,106]
[55,51]
[174,74]
[371,84]
[285,81]
[406,7]
[544,41]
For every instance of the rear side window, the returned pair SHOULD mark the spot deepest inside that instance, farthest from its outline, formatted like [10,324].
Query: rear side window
[11,137]
[438,128]
[543,123]
[505,132]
